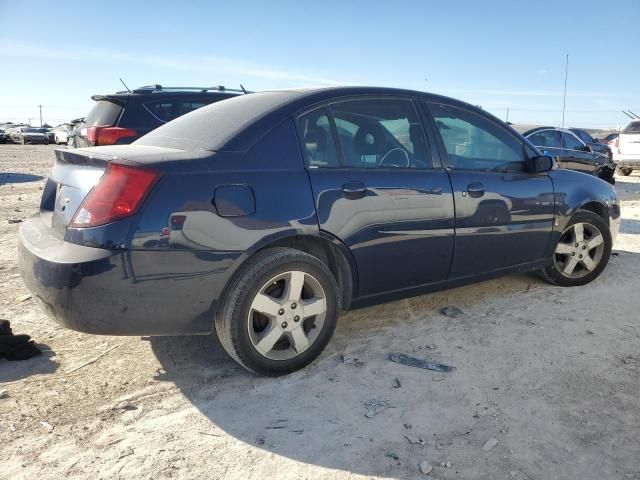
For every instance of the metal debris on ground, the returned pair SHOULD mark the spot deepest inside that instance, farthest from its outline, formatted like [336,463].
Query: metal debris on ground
[425,468]
[349,359]
[409,361]
[489,444]
[377,405]
[93,360]
[414,439]
[15,220]
[396,383]
[451,311]
[392,455]
[4,394]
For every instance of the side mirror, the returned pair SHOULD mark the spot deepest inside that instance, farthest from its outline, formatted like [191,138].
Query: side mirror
[541,164]
[587,148]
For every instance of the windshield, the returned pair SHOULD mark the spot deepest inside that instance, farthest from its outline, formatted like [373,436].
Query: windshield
[633,127]
[34,130]
[210,127]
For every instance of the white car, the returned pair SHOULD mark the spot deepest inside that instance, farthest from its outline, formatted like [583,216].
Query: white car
[61,133]
[626,149]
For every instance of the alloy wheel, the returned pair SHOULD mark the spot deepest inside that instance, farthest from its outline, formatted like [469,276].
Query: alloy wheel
[579,251]
[287,314]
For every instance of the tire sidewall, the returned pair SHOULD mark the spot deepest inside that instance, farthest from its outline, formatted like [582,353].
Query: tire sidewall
[243,347]
[584,216]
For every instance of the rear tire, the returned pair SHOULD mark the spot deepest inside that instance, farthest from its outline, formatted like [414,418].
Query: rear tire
[582,252]
[269,328]
[624,171]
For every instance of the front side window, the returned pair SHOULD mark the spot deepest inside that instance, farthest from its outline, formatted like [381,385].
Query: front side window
[571,142]
[476,143]
[319,145]
[380,133]
[546,138]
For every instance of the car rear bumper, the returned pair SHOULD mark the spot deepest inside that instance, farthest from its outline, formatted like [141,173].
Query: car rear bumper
[120,292]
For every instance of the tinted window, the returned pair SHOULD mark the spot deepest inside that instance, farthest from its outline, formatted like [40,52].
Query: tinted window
[476,143]
[571,142]
[381,133]
[319,145]
[190,105]
[103,114]
[633,127]
[546,138]
[165,111]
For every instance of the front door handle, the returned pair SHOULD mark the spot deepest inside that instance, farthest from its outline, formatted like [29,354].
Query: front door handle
[354,190]
[475,189]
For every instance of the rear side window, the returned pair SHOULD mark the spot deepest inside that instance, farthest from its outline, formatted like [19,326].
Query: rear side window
[317,137]
[476,143]
[190,105]
[164,111]
[103,114]
[633,127]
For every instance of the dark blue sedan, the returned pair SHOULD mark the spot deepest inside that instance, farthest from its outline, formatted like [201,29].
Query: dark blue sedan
[265,215]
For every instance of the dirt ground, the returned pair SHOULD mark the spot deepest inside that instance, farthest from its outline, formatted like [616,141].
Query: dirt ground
[552,374]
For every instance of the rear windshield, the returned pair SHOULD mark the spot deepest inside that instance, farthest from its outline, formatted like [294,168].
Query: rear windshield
[210,127]
[633,127]
[103,114]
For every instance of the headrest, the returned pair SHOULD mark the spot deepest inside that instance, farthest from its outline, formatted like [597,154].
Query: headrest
[318,136]
[369,140]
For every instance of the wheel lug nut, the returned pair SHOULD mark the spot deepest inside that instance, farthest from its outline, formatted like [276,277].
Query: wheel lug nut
[284,324]
[579,256]
[573,254]
[296,318]
[576,244]
[584,247]
[293,305]
[281,311]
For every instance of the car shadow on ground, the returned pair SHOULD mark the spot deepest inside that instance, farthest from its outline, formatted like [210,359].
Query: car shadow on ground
[11,371]
[317,415]
[10,177]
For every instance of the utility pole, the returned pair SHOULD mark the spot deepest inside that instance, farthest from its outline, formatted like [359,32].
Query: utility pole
[507,119]
[564,96]
[40,107]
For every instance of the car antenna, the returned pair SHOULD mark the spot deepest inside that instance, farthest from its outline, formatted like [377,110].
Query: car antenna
[628,115]
[243,89]
[125,86]
[633,114]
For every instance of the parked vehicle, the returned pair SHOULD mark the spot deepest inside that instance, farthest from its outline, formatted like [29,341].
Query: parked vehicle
[607,138]
[32,135]
[265,215]
[3,136]
[61,133]
[595,145]
[626,149]
[124,117]
[570,152]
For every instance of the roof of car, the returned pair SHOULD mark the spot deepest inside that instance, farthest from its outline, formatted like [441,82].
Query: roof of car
[245,118]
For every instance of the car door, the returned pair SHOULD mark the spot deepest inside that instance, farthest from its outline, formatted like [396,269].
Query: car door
[577,155]
[504,214]
[377,189]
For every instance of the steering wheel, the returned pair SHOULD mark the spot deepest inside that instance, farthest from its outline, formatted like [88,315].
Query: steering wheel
[396,149]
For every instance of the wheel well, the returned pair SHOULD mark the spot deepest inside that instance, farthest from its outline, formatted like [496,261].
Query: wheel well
[597,208]
[327,253]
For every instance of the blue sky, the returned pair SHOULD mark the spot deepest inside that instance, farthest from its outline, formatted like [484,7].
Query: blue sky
[497,54]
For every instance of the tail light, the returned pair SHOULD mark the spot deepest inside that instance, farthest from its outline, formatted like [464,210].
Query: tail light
[118,194]
[177,222]
[108,135]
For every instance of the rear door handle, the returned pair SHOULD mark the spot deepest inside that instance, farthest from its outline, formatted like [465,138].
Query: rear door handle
[354,190]
[475,189]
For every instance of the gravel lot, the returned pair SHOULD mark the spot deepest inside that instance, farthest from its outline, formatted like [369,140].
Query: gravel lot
[552,374]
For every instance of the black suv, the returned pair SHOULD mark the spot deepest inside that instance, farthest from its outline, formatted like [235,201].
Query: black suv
[125,116]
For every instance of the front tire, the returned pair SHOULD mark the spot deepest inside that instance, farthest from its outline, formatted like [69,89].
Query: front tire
[279,313]
[582,251]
